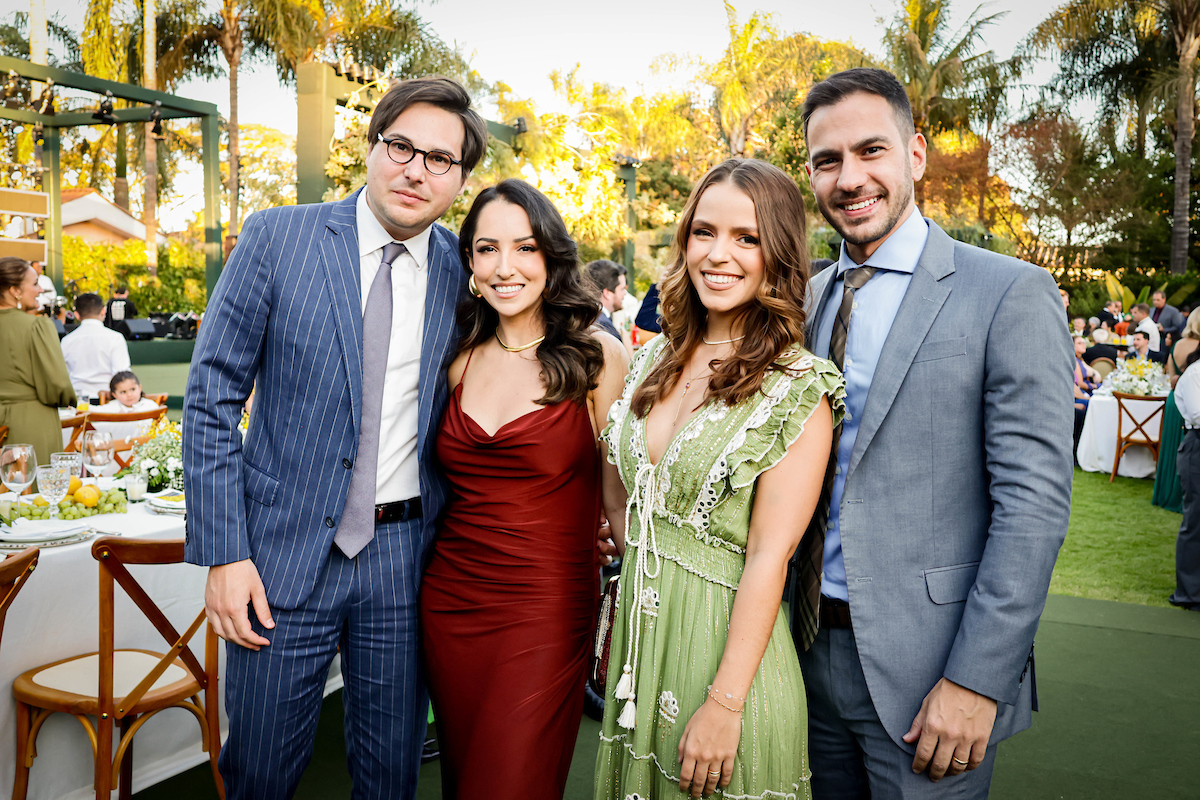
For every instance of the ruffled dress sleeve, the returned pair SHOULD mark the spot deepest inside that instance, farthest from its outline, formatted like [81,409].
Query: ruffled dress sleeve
[780,419]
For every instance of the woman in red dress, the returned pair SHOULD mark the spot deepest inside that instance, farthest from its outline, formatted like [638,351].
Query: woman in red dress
[508,600]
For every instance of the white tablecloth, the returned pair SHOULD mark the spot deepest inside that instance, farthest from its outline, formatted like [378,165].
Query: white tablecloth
[55,617]
[1098,442]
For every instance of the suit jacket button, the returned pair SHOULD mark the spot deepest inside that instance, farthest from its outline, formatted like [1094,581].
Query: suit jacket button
[329,522]
[347,463]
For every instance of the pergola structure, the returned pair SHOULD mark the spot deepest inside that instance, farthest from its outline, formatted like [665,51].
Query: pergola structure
[152,105]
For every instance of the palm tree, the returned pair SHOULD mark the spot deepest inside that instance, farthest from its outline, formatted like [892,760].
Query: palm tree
[947,78]
[1082,29]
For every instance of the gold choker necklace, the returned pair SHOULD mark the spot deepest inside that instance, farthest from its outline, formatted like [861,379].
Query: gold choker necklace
[534,343]
[724,341]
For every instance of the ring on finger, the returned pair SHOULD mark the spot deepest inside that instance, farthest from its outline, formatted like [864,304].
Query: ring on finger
[716,774]
[960,762]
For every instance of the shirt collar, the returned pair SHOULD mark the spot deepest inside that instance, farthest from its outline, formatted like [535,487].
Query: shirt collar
[900,252]
[91,323]
[372,236]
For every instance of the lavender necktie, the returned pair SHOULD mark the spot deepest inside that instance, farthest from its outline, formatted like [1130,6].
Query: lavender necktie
[357,527]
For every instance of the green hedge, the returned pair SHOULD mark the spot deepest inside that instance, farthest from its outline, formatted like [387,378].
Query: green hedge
[100,268]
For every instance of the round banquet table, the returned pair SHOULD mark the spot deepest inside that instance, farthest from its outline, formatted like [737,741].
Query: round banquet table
[55,616]
[1098,442]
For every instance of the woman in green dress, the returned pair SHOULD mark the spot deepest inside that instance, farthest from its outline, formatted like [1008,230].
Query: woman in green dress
[721,439]
[33,375]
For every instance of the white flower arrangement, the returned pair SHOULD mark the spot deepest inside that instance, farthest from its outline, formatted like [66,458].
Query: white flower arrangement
[161,458]
[1140,376]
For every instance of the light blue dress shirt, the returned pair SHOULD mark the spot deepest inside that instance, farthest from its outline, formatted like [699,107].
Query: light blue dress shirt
[874,310]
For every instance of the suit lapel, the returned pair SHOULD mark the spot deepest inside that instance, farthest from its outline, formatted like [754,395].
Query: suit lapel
[439,329]
[340,259]
[924,299]
[817,301]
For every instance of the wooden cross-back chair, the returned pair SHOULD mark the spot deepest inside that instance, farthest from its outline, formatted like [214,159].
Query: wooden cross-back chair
[1138,436]
[76,424]
[14,572]
[154,414]
[3,434]
[105,396]
[86,686]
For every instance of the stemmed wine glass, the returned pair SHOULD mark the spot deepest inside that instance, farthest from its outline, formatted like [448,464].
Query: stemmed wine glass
[53,481]
[18,463]
[97,451]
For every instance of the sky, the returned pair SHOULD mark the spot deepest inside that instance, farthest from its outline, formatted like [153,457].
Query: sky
[520,42]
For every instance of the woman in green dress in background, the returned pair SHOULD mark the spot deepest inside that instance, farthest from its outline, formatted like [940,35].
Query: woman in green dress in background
[721,439]
[33,374]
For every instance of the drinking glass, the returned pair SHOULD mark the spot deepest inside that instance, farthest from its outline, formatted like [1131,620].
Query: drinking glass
[135,486]
[18,464]
[74,462]
[97,451]
[53,481]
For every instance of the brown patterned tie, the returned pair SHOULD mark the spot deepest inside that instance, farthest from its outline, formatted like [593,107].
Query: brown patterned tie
[810,556]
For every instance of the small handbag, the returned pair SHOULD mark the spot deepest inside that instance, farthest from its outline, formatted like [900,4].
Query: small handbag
[605,620]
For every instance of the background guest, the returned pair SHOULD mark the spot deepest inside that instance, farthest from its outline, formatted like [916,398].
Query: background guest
[127,396]
[33,376]
[1188,341]
[1101,348]
[1140,347]
[94,354]
[120,308]
[1187,545]
[610,280]
[1167,318]
[648,316]
[46,286]
[1086,381]
[1079,326]
[1142,322]
[1110,315]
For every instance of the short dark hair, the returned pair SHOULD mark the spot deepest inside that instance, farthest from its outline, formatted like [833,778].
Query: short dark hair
[1141,333]
[121,377]
[1142,307]
[879,82]
[605,274]
[1159,293]
[88,303]
[444,93]
[122,290]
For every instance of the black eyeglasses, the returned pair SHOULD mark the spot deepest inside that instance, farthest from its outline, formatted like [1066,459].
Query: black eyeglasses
[401,151]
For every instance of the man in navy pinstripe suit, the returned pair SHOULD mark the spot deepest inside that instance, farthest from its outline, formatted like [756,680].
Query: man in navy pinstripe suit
[310,552]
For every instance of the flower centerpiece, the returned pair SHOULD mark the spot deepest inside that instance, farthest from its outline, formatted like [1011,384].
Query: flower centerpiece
[1139,376]
[160,458]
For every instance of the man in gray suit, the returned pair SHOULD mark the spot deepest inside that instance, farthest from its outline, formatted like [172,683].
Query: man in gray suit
[950,485]
[1168,318]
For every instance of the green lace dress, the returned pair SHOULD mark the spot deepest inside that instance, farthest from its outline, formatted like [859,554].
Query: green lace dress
[687,524]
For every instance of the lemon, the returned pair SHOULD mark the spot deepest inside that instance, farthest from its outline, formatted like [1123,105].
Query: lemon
[88,496]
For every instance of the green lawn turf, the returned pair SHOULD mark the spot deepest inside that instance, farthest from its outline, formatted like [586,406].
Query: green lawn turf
[1119,546]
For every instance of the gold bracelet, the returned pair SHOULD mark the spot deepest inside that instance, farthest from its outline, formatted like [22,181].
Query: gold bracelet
[728,696]
[722,705]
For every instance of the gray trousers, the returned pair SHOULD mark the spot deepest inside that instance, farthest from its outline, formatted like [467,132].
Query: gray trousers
[850,753]
[1187,546]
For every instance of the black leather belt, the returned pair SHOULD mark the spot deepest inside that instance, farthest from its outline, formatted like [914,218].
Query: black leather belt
[399,511]
[834,613]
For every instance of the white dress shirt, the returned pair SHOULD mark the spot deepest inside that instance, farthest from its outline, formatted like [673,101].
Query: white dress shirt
[94,354]
[1148,327]
[126,430]
[398,476]
[1187,396]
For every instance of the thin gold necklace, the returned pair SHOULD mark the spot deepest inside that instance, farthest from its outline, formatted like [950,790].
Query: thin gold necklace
[724,341]
[534,343]
[686,386]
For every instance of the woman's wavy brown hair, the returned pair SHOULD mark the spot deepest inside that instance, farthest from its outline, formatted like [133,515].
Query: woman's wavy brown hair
[773,320]
[571,358]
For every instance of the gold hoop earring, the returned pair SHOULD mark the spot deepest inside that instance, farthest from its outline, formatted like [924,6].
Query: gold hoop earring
[473,288]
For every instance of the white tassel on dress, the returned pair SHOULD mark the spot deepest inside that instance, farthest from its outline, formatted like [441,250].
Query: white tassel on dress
[624,689]
[628,716]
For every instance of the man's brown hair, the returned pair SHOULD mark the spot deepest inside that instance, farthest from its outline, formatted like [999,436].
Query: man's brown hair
[443,93]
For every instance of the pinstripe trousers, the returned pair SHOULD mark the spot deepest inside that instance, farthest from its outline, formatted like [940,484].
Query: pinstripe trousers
[366,609]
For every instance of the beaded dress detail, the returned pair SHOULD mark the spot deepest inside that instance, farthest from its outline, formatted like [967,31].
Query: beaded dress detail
[687,523]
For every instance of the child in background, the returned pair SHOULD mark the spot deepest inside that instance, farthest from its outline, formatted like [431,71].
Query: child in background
[127,399]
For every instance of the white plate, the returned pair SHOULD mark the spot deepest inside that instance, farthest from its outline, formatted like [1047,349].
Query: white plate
[168,505]
[40,531]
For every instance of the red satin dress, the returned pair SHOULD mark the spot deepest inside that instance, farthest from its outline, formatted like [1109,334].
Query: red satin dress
[509,600]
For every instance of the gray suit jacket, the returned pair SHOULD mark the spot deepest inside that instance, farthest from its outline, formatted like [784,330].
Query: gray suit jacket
[958,490]
[1171,320]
